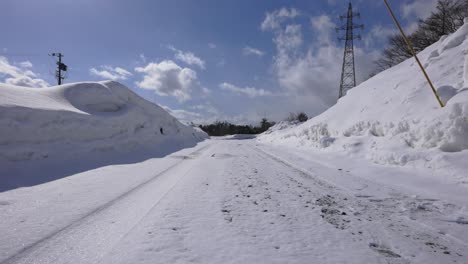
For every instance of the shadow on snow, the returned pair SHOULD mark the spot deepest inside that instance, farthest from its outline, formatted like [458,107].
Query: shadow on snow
[30,173]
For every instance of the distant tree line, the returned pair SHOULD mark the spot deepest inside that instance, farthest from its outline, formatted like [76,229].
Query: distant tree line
[220,128]
[446,19]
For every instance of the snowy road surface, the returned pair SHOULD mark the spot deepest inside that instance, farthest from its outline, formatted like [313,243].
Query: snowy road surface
[235,201]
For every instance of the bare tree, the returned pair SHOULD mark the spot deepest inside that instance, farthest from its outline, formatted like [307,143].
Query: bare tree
[302,117]
[395,52]
[445,19]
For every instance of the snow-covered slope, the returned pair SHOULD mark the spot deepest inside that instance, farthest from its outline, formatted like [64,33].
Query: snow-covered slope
[393,118]
[80,118]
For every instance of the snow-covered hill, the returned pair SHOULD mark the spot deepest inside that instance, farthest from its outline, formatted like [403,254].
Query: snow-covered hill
[393,118]
[80,118]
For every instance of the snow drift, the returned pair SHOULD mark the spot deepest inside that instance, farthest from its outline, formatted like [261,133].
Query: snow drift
[394,118]
[79,118]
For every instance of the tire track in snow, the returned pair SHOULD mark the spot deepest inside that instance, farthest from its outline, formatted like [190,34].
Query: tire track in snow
[72,230]
[384,222]
[276,214]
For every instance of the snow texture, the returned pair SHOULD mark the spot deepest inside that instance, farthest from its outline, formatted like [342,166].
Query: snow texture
[394,118]
[231,200]
[83,118]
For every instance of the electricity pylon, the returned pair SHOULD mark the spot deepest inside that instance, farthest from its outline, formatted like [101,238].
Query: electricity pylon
[348,73]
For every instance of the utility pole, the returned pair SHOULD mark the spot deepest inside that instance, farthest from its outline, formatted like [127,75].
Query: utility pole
[348,74]
[60,67]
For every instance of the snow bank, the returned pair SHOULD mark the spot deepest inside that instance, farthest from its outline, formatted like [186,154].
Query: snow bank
[394,118]
[79,118]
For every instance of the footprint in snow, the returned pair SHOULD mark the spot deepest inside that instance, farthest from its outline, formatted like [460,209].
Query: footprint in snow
[5,202]
[382,250]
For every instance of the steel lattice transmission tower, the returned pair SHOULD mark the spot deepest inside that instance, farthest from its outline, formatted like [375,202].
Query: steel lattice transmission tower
[348,75]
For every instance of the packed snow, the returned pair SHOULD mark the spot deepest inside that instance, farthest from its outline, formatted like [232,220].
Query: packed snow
[394,119]
[231,200]
[82,118]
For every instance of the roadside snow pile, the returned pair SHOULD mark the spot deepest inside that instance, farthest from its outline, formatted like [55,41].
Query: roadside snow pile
[80,118]
[394,118]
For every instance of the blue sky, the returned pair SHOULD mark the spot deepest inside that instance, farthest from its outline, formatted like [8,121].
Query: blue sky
[203,60]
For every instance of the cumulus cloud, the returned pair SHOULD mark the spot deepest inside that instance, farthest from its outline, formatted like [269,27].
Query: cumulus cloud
[168,78]
[313,72]
[27,81]
[111,73]
[187,57]
[20,76]
[247,51]
[274,19]
[249,91]
[324,26]
[379,35]
[289,39]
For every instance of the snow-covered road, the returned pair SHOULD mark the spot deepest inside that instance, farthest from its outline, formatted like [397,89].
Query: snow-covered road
[236,201]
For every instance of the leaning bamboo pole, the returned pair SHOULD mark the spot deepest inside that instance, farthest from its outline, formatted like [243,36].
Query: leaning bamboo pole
[414,54]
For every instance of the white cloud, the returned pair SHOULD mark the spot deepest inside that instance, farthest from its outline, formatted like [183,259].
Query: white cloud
[420,9]
[184,116]
[314,73]
[378,34]
[206,91]
[26,64]
[252,51]
[274,19]
[142,57]
[201,114]
[310,75]
[122,71]
[168,78]
[289,39]
[211,45]
[208,108]
[108,72]
[27,81]
[249,91]
[411,27]
[324,26]
[187,57]
[207,114]
[20,76]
